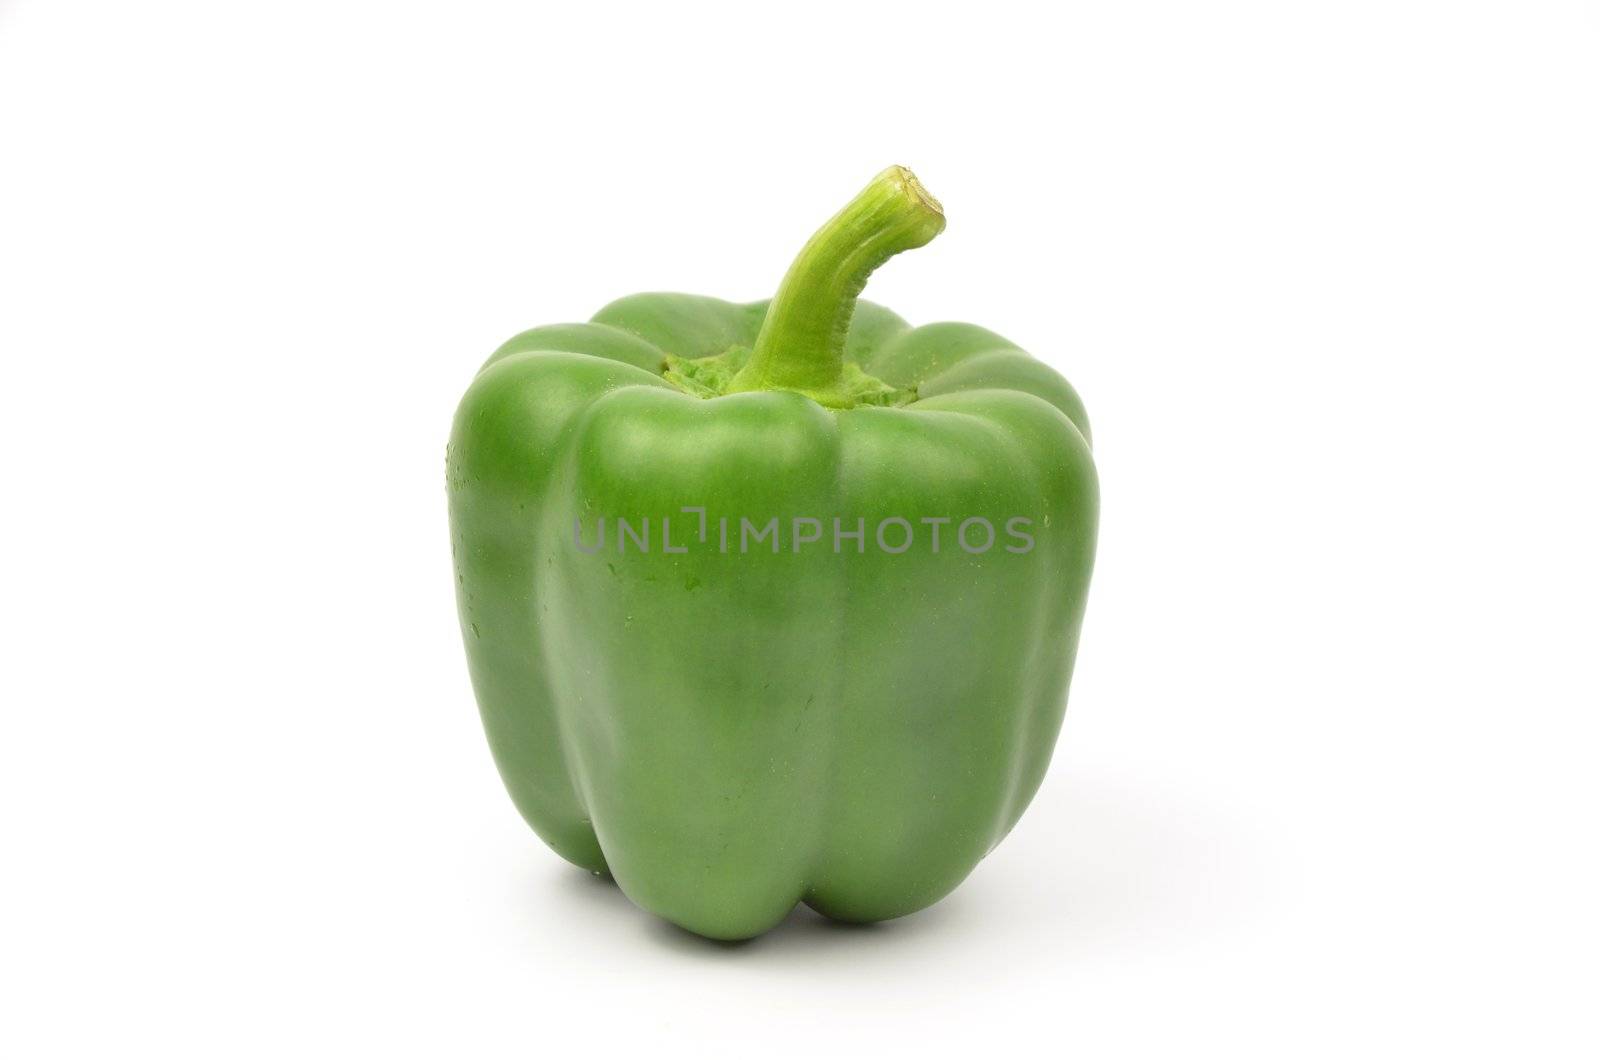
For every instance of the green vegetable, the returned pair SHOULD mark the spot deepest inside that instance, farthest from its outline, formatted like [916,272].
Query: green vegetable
[774,602]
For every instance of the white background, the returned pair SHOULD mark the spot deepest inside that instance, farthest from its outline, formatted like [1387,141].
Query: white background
[1325,274]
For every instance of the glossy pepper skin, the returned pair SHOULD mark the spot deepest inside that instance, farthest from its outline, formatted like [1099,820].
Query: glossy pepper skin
[729,730]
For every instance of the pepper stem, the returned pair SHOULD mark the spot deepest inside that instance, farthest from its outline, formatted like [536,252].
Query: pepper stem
[801,344]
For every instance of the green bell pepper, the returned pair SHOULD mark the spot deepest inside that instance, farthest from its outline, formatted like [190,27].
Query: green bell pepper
[776,602]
